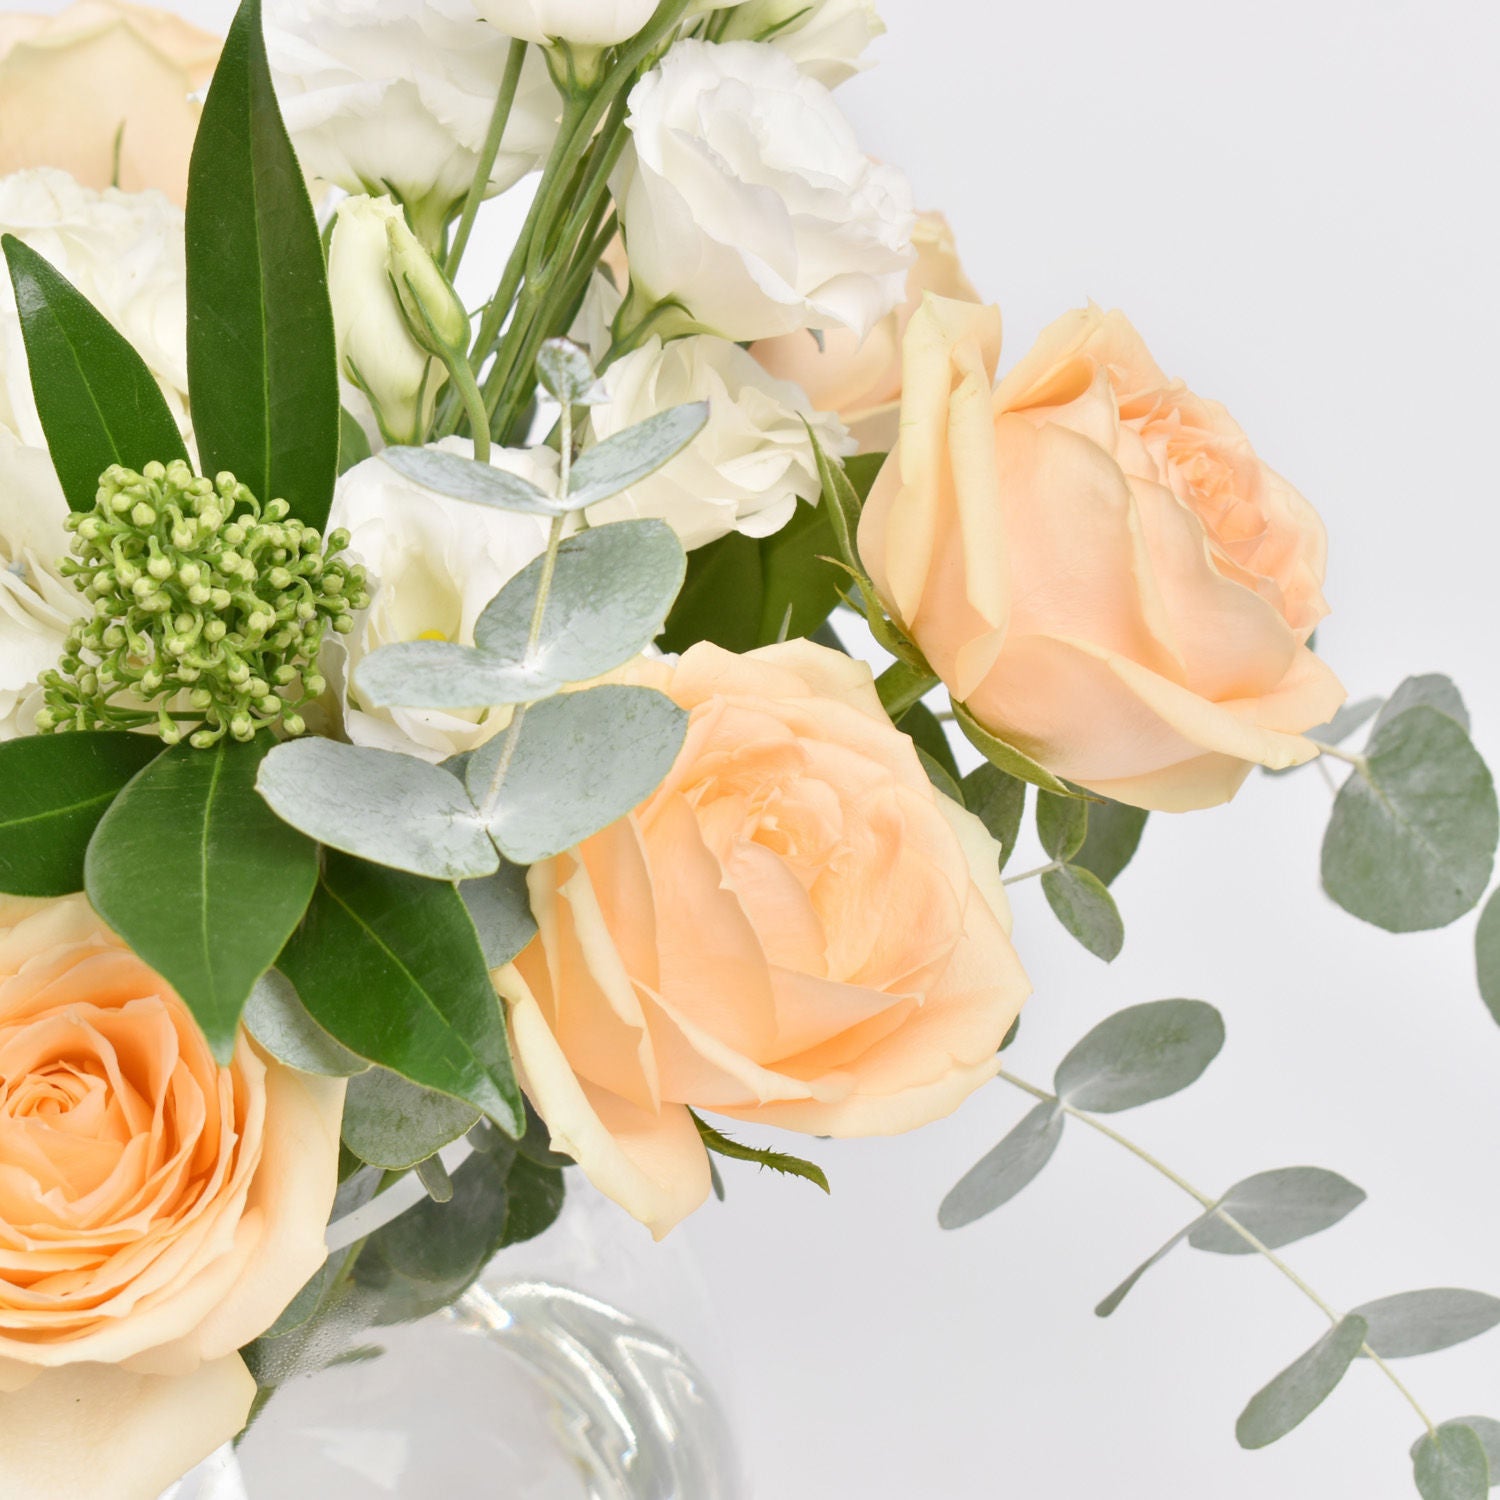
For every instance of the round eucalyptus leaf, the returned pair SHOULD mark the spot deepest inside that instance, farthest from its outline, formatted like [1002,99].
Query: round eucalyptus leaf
[1000,1174]
[1432,690]
[276,1017]
[1086,910]
[1487,955]
[501,911]
[1486,1429]
[1062,823]
[1277,1207]
[392,1123]
[998,800]
[1142,1053]
[938,775]
[630,456]
[566,372]
[1114,834]
[1452,1466]
[1302,1387]
[1426,1321]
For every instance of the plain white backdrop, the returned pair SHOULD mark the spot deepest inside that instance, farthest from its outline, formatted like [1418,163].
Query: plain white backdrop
[1296,205]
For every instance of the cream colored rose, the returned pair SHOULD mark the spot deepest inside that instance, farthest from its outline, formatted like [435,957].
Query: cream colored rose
[794,930]
[157,1212]
[106,91]
[1096,562]
[861,381]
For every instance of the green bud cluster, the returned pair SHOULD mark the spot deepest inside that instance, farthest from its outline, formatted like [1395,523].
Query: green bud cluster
[208,610]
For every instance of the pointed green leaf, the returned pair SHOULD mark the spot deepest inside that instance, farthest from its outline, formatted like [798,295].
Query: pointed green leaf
[1086,910]
[1121,1292]
[1302,1387]
[1114,834]
[262,366]
[612,466]
[54,788]
[1431,690]
[998,800]
[354,446]
[201,878]
[1140,1054]
[722,597]
[1278,1207]
[937,774]
[1452,1466]
[1487,955]
[98,403]
[1007,757]
[773,1161]
[1001,1173]
[276,1017]
[1062,823]
[393,1124]
[843,503]
[1423,1322]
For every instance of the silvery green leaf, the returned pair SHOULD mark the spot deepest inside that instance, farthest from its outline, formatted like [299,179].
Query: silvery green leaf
[461,478]
[1423,1322]
[1000,1174]
[938,775]
[998,800]
[1349,718]
[581,760]
[443,674]
[389,809]
[1486,1429]
[1139,1054]
[567,373]
[1121,1292]
[1453,1466]
[502,913]
[612,466]
[392,1123]
[1086,910]
[1302,1387]
[1487,955]
[1411,843]
[1431,690]
[1062,823]
[276,1017]
[1278,1207]
[1114,834]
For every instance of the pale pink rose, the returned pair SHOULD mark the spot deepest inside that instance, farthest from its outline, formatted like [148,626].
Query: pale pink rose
[796,929]
[157,1212]
[101,82]
[1096,563]
[861,381]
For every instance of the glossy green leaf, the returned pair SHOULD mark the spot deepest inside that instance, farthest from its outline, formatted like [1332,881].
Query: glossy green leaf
[626,458]
[998,800]
[771,1161]
[536,1199]
[201,878]
[1001,1173]
[276,1017]
[1423,1322]
[1487,955]
[1432,690]
[1411,843]
[392,1123]
[1452,1466]
[54,788]
[501,910]
[580,761]
[390,965]
[1140,1054]
[98,403]
[1086,910]
[1302,1387]
[390,809]
[262,366]
[1062,823]
[1278,1207]
[1007,757]
[1114,834]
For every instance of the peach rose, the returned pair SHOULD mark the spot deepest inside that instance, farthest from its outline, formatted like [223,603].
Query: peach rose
[1096,563]
[861,382]
[73,83]
[796,929]
[156,1213]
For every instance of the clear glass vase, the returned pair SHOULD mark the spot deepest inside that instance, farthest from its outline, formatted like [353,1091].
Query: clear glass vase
[562,1375]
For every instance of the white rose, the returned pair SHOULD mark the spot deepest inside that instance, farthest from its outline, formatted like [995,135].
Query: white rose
[826,40]
[748,467]
[433,565]
[124,252]
[583,23]
[396,96]
[745,196]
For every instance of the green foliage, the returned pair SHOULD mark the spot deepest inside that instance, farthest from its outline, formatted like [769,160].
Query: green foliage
[610,467]
[1302,1387]
[1423,1322]
[1140,1054]
[566,373]
[999,1175]
[99,405]
[1278,1208]
[501,911]
[394,1124]
[1007,757]
[1487,955]
[1431,690]
[998,800]
[276,1017]
[926,732]
[1114,834]
[1452,1466]
[1062,823]
[774,1161]
[1086,910]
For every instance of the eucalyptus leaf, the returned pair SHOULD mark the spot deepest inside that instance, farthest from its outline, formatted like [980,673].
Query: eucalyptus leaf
[1114,834]
[390,809]
[1431,690]
[501,911]
[1086,910]
[392,1123]
[1121,1292]
[462,478]
[580,761]
[612,466]
[998,800]
[1001,1173]
[1140,1054]
[276,1017]
[1278,1207]
[566,372]
[1411,843]
[1486,1429]
[926,731]
[1453,1466]
[1302,1387]
[937,774]
[1007,757]
[1487,955]
[1423,1322]
[1062,823]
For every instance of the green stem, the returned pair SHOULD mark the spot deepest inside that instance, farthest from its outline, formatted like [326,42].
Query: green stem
[1359,762]
[490,150]
[472,399]
[1045,869]
[1212,1206]
[901,686]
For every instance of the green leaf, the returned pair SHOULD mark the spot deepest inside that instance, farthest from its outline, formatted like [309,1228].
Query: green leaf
[1487,955]
[1278,1207]
[461,478]
[201,878]
[937,774]
[391,809]
[843,503]
[501,911]
[536,1199]
[1007,757]
[926,730]
[1121,1292]
[1062,824]
[998,800]
[1086,909]
[1432,691]
[566,373]
[1001,1173]
[392,1123]
[1114,834]
[390,965]
[98,403]
[354,446]
[581,761]
[54,788]
[774,1161]
[1140,1054]
[262,364]
[1302,1387]
[612,466]
[1486,1429]
[1454,1466]
[1411,843]
[1423,1322]
[276,1017]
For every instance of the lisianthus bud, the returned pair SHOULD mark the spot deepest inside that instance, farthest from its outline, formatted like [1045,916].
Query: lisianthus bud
[434,314]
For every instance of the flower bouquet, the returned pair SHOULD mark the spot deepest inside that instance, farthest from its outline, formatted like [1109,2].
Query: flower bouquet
[442,752]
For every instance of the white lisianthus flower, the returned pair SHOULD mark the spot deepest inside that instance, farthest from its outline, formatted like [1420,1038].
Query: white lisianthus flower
[124,252]
[395,96]
[581,23]
[745,196]
[827,39]
[433,565]
[749,466]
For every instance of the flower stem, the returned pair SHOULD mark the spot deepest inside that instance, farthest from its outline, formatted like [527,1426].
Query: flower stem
[472,398]
[490,150]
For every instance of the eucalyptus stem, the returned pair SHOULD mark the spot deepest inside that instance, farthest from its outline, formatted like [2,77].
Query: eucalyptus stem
[1212,1206]
[1347,756]
[1046,869]
[488,152]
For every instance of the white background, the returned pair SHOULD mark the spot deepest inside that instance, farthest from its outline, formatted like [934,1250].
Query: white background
[1296,204]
